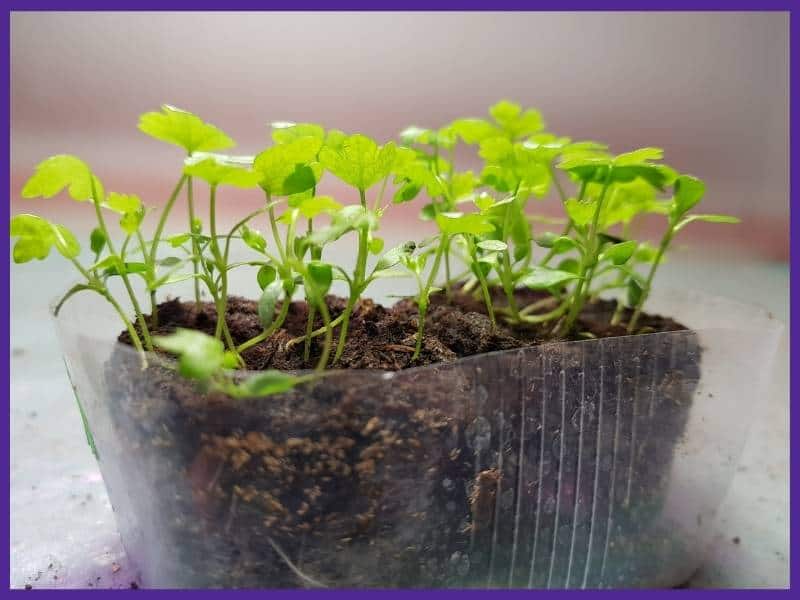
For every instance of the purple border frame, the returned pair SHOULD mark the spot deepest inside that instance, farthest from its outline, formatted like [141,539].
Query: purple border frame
[429,5]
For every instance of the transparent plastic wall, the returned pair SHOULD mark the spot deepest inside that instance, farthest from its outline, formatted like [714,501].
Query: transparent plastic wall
[587,464]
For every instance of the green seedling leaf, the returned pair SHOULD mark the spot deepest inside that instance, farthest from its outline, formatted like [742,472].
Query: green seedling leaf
[707,219]
[514,122]
[266,384]
[266,275]
[266,304]
[97,240]
[492,258]
[358,160]
[636,157]
[394,256]
[455,223]
[428,212]
[376,245]
[620,253]
[289,167]
[493,246]
[284,132]
[406,192]
[473,131]
[634,292]
[130,222]
[200,356]
[570,265]
[182,128]
[170,261]
[581,213]
[63,171]
[540,278]
[36,236]
[253,239]
[688,192]
[179,240]
[122,203]
[349,218]
[321,274]
[117,268]
[313,206]
[216,170]
[463,184]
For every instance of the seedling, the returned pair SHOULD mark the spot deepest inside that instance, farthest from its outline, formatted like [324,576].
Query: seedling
[482,220]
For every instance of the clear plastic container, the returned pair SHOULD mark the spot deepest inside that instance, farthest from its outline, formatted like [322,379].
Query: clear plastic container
[589,464]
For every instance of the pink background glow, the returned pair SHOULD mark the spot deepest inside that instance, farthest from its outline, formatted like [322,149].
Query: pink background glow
[710,88]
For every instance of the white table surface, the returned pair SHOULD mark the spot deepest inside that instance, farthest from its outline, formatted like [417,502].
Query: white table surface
[62,527]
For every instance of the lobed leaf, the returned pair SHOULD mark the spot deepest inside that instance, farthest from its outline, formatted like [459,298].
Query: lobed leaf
[455,223]
[218,170]
[54,174]
[182,128]
[358,160]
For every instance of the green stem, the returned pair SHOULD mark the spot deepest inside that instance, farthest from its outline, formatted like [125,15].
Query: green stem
[548,316]
[195,245]
[487,297]
[425,293]
[506,273]
[125,280]
[276,324]
[273,224]
[588,261]
[221,299]
[316,333]
[662,248]
[312,313]
[151,260]
[358,281]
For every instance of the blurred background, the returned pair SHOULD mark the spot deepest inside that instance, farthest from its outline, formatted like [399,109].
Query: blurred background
[709,88]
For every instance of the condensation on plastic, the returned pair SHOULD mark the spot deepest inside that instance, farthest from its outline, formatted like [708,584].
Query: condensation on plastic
[589,464]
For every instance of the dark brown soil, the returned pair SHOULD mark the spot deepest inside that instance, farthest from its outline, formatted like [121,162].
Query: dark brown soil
[384,338]
[545,467]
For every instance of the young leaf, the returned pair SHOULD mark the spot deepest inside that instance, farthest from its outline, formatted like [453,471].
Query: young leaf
[376,245]
[284,132]
[542,278]
[36,237]
[394,256]
[358,160]
[620,253]
[707,219]
[349,218]
[200,356]
[182,128]
[473,131]
[493,246]
[313,206]
[514,121]
[266,383]
[321,274]
[266,304]
[581,213]
[688,192]
[266,275]
[455,223]
[216,170]
[63,171]
[97,240]
[290,167]
[634,292]
[253,239]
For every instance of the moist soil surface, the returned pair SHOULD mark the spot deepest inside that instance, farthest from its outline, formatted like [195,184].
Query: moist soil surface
[546,469]
[384,337]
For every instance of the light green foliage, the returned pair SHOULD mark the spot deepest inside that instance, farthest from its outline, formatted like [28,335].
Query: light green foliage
[219,170]
[289,167]
[63,171]
[482,219]
[358,160]
[182,128]
[36,236]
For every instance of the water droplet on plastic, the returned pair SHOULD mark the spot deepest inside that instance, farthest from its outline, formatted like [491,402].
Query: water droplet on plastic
[447,484]
[550,505]
[507,499]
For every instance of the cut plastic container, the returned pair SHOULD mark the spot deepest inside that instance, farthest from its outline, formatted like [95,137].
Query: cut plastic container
[590,464]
